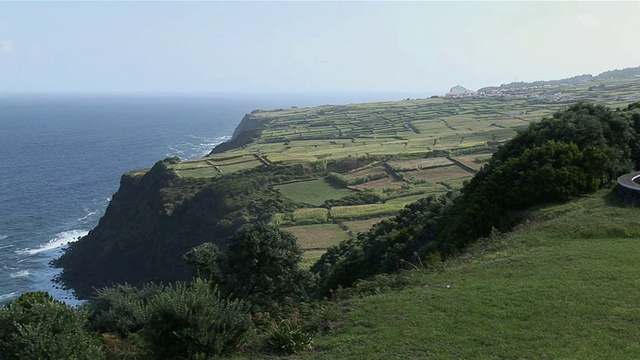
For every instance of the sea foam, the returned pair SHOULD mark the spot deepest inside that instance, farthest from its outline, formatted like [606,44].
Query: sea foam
[61,239]
[88,215]
[19,274]
[8,296]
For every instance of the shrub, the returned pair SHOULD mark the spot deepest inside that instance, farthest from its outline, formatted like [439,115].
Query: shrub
[37,327]
[121,309]
[194,321]
[287,336]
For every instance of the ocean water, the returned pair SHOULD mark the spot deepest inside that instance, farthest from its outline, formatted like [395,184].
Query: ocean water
[61,158]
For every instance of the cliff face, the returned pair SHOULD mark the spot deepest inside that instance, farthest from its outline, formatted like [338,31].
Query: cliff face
[156,217]
[143,234]
[248,130]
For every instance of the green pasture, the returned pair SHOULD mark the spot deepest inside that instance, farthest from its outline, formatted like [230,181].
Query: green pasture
[221,161]
[384,184]
[310,257]
[358,226]
[310,214]
[417,164]
[456,183]
[365,211]
[438,174]
[238,166]
[368,171]
[187,165]
[318,236]
[205,172]
[312,192]
[562,287]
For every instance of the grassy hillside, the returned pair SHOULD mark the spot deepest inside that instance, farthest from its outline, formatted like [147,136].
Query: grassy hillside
[564,285]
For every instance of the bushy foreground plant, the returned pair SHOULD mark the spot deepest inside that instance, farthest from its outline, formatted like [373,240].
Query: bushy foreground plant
[37,327]
[121,309]
[185,320]
[288,336]
[194,321]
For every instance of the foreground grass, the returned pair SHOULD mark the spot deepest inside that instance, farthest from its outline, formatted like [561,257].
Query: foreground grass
[563,286]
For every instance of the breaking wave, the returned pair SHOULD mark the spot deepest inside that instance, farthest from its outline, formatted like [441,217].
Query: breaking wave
[19,274]
[61,239]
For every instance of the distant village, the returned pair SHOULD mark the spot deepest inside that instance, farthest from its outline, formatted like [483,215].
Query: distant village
[550,90]
[536,92]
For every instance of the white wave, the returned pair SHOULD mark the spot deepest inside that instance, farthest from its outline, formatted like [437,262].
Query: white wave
[88,215]
[61,239]
[8,296]
[6,246]
[19,274]
[2,237]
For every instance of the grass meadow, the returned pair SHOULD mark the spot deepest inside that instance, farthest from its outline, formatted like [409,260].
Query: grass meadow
[318,236]
[314,192]
[562,286]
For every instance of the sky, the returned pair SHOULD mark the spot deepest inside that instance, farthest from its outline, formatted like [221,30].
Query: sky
[93,47]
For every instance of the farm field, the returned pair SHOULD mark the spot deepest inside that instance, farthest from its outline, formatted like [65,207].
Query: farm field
[416,147]
[439,173]
[318,236]
[365,211]
[357,226]
[310,214]
[313,192]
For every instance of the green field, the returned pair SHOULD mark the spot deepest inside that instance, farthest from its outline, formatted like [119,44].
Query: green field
[313,192]
[564,286]
[318,236]
[310,214]
[365,211]
[357,226]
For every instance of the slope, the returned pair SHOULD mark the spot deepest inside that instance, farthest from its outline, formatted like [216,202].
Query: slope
[564,285]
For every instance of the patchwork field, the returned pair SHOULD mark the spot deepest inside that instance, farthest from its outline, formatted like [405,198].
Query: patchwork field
[420,147]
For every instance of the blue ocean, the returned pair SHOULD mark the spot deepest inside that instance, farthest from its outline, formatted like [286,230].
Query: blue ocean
[61,158]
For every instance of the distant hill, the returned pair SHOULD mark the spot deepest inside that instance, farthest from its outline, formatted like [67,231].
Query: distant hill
[575,80]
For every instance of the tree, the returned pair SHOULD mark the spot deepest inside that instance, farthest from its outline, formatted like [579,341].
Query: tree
[205,260]
[261,265]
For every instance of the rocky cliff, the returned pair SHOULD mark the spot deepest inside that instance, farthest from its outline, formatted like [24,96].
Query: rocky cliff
[156,217]
[248,130]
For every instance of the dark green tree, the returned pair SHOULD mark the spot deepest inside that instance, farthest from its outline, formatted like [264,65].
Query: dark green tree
[261,265]
[205,261]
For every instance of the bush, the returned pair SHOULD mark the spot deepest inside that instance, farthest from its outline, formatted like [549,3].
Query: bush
[288,337]
[121,309]
[37,327]
[193,321]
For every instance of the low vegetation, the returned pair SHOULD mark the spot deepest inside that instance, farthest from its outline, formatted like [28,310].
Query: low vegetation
[562,285]
[397,204]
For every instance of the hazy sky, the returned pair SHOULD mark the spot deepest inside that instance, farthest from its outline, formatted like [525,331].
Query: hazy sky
[307,46]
